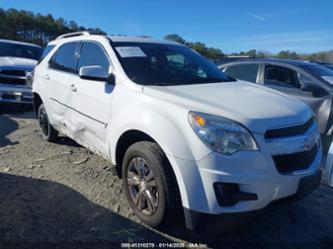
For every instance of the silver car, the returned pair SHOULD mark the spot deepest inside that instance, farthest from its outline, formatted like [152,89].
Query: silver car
[17,61]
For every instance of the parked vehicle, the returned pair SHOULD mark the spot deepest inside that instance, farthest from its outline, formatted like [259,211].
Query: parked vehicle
[17,60]
[327,65]
[308,82]
[184,137]
[328,170]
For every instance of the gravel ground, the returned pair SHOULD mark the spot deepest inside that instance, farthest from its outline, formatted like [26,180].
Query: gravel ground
[59,195]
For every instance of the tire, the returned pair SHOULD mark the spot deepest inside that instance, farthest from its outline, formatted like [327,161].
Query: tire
[149,157]
[48,132]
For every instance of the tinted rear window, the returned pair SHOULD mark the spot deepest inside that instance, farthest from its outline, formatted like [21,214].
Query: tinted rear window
[65,57]
[46,51]
[247,72]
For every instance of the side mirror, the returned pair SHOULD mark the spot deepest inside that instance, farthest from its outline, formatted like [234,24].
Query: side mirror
[316,89]
[96,73]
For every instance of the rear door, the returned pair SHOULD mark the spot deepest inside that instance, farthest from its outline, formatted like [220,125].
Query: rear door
[292,82]
[57,80]
[90,101]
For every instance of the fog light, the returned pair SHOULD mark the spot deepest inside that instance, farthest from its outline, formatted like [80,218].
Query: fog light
[229,194]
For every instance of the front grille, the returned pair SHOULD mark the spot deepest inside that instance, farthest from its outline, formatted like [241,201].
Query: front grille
[13,76]
[13,72]
[295,162]
[289,131]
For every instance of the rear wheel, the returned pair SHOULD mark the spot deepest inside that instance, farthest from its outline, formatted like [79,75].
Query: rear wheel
[150,185]
[48,132]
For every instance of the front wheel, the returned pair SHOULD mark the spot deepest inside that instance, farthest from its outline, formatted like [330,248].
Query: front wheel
[150,185]
[48,132]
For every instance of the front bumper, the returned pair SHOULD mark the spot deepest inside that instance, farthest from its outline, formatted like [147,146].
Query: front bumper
[199,221]
[15,94]
[255,173]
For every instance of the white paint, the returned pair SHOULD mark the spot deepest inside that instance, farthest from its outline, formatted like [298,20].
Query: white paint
[162,113]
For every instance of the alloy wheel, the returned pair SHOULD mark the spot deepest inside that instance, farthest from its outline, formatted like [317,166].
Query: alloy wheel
[142,186]
[43,122]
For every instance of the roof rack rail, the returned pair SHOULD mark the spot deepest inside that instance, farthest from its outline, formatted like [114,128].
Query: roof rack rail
[73,34]
[145,36]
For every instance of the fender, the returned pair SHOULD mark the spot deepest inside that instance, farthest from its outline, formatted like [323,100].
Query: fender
[170,137]
[175,140]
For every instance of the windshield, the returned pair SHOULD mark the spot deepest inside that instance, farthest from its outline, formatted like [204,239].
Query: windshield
[330,67]
[321,71]
[20,50]
[165,64]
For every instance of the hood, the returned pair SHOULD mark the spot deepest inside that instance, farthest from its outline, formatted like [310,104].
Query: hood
[17,62]
[256,107]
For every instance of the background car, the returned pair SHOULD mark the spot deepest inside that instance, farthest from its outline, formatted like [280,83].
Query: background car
[327,65]
[17,60]
[308,82]
[328,170]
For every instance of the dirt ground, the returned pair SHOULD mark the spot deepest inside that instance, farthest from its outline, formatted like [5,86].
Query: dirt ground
[62,196]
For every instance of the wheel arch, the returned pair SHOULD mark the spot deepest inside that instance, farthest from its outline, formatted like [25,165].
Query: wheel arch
[132,136]
[36,101]
[128,138]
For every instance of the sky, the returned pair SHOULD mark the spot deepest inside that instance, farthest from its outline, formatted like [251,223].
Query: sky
[304,26]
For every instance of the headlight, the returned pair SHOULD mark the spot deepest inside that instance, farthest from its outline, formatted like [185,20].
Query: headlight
[29,78]
[223,135]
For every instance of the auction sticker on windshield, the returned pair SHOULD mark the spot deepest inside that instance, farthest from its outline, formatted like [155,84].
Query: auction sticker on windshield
[126,52]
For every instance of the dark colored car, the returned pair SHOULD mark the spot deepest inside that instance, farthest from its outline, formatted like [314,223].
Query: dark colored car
[327,65]
[308,82]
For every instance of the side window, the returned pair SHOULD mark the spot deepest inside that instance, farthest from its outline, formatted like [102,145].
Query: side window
[64,58]
[247,72]
[93,55]
[303,79]
[278,75]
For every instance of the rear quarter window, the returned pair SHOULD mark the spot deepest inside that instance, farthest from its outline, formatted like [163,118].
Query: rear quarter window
[247,72]
[46,51]
[64,59]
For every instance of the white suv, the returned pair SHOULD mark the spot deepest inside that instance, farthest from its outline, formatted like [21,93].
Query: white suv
[185,138]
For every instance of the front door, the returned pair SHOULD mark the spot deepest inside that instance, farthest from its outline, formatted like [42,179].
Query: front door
[89,106]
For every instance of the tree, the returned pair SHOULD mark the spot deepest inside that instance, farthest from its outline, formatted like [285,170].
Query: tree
[209,52]
[175,38]
[36,28]
[286,54]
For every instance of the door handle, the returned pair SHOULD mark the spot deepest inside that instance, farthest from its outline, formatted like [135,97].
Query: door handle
[47,77]
[73,88]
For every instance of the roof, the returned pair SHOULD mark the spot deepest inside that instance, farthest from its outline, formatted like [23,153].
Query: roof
[20,43]
[140,39]
[114,38]
[286,61]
